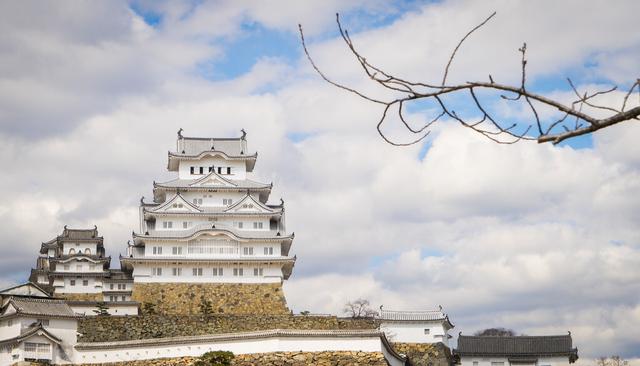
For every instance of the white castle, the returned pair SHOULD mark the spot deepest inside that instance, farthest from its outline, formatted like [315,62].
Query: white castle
[212,224]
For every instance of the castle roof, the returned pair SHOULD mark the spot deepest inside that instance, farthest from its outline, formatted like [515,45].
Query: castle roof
[81,235]
[414,316]
[211,229]
[198,147]
[516,346]
[29,332]
[40,307]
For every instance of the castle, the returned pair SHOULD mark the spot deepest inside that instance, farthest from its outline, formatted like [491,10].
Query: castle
[209,244]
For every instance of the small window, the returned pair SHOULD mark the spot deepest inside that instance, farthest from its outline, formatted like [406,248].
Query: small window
[192,170]
[240,225]
[427,331]
[72,282]
[217,271]
[176,250]
[227,201]
[268,251]
[197,271]
[157,250]
[257,271]
[210,169]
[9,322]
[87,251]
[248,250]
[124,298]
[111,286]
[201,170]
[72,251]
[157,271]
[167,224]
[238,272]
[44,322]
[85,282]
[228,170]
[176,271]
[257,225]
[475,363]
[219,170]
[185,225]
[111,298]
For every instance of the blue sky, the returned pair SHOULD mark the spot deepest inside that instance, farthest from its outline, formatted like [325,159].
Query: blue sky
[90,107]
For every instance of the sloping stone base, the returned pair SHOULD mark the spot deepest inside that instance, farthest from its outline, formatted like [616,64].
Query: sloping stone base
[344,358]
[423,354]
[225,298]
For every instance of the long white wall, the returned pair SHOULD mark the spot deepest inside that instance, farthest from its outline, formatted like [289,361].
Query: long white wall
[124,351]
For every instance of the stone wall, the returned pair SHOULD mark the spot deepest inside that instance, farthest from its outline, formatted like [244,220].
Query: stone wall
[80,297]
[224,298]
[124,328]
[423,354]
[344,358]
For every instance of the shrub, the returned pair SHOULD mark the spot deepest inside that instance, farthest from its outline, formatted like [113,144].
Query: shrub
[215,358]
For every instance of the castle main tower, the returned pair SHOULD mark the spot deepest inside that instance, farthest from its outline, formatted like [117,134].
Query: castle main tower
[211,224]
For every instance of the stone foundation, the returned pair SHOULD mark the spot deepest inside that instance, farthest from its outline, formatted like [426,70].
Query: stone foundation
[125,328]
[225,298]
[80,297]
[424,354]
[344,358]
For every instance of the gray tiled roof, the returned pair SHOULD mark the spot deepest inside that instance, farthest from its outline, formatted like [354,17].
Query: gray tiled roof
[42,307]
[252,234]
[412,315]
[195,146]
[185,183]
[221,210]
[515,346]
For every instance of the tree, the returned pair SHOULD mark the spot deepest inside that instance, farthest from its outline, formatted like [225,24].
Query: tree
[611,361]
[206,308]
[496,332]
[102,309]
[573,120]
[360,308]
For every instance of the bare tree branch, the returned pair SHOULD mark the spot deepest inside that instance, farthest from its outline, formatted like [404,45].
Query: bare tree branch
[488,126]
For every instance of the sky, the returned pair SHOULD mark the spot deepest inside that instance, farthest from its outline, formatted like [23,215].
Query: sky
[541,239]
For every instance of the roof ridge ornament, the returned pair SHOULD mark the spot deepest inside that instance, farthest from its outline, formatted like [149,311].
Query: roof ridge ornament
[244,134]
[180,133]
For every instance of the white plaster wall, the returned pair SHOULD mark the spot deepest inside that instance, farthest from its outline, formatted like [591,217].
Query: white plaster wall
[177,222]
[93,286]
[486,361]
[414,332]
[66,247]
[213,199]
[238,167]
[144,273]
[276,344]
[167,250]
[9,331]
[77,265]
